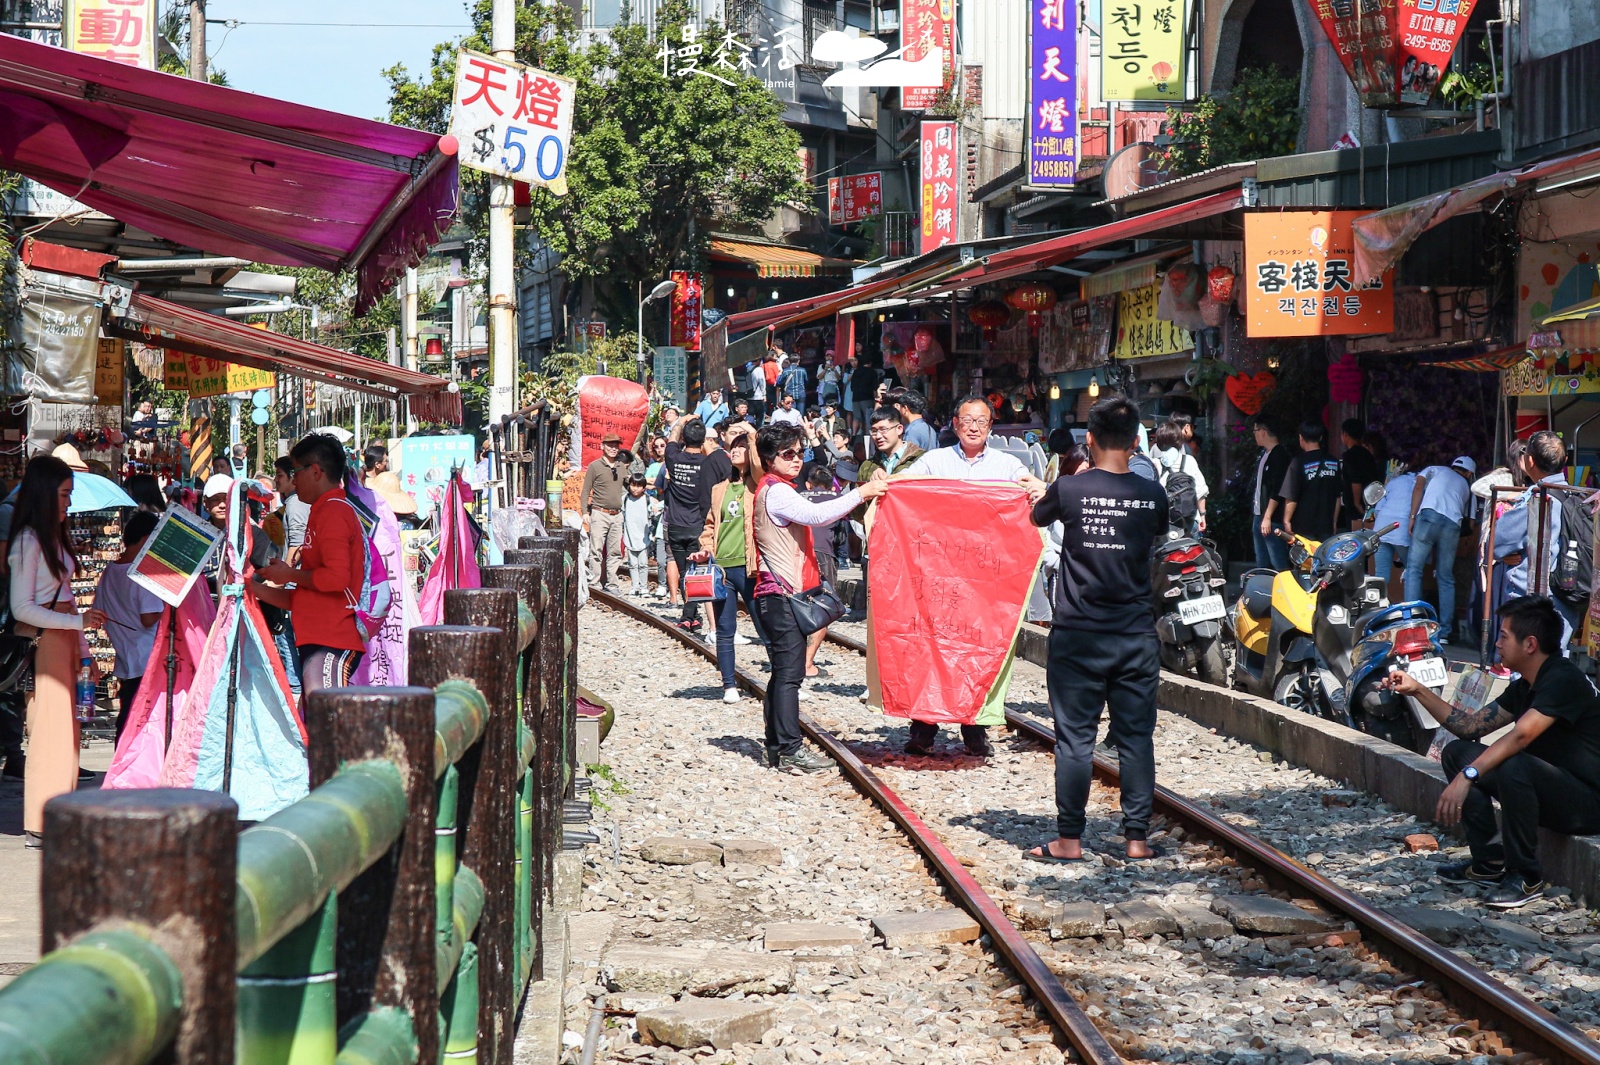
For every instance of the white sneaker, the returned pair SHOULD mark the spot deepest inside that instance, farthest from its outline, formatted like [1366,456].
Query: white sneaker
[660,593]
[804,695]
[731,695]
[740,639]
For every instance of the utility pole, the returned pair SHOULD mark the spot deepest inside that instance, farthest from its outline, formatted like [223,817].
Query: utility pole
[197,39]
[502,306]
[408,341]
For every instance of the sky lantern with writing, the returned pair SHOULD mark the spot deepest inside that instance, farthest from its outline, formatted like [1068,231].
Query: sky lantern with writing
[1034,298]
[990,316]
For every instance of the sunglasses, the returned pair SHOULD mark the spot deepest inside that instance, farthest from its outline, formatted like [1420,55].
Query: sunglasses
[789,454]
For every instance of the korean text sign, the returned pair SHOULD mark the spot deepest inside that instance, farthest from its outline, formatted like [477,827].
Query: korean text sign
[1298,273]
[123,31]
[1394,53]
[1053,93]
[512,120]
[939,202]
[924,26]
[1140,334]
[686,306]
[854,197]
[1142,49]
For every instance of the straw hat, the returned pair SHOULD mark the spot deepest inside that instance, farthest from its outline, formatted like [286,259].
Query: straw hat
[387,487]
[69,454]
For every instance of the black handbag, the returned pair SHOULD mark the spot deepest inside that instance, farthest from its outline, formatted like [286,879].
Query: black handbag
[17,642]
[815,608]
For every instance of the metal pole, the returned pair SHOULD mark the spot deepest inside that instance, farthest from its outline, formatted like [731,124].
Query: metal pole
[502,306]
[172,670]
[408,334]
[197,40]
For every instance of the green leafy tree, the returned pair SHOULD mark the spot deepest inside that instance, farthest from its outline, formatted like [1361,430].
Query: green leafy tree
[657,159]
[1257,119]
[172,27]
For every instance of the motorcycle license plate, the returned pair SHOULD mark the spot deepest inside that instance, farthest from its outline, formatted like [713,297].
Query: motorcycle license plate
[1429,671]
[1206,608]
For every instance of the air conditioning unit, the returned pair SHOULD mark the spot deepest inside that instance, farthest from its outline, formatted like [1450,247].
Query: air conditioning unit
[886,19]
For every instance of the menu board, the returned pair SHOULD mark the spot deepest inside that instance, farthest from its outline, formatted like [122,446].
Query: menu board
[175,554]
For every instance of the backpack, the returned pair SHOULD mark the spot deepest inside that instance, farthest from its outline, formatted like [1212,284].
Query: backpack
[371,606]
[1183,496]
[1573,576]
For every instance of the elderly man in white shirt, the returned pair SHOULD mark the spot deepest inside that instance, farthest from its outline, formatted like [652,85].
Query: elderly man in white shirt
[972,459]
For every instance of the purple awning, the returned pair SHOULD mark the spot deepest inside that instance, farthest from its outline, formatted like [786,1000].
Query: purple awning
[226,171]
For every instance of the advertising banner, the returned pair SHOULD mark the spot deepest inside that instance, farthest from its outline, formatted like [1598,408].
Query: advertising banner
[1395,53]
[1298,273]
[512,120]
[926,26]
[1142,49]
[1142,335]
[425,463]
[213,377]
[686,306]
[1053,94]
[939,203]
[123,31]
[854,197]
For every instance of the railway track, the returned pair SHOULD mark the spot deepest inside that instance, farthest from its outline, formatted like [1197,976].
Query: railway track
[1474,993]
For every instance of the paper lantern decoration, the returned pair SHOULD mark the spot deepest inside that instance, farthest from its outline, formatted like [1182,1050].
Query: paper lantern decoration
[1219,283]
[1345,379]
[926,351]
[1035,299]
[1249,391]
[990,316]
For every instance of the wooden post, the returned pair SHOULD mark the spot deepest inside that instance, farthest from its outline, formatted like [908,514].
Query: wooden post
[563,545]
[487,817]
[387,938]
[524,580]
[547,676]
[165,858]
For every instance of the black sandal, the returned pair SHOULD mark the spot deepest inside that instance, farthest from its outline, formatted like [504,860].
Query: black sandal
[1044,857]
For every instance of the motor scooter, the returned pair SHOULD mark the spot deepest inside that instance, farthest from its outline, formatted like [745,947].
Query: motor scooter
[1271,622]
[1404,636]
[1186,579]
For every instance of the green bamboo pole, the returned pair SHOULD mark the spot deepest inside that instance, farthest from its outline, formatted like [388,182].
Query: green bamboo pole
[294,859]
[382,1037]
[287,1009]
[107,998]
[444,848]
[463,922]
[524,871]
[527,628]
[460,1006]
[460,716]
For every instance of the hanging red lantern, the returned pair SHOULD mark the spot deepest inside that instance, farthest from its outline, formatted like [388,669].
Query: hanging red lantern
[990,316]
[1034,298]
[1219,284]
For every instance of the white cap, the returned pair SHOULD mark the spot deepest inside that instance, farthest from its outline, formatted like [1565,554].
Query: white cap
[216,485]
[1466,463]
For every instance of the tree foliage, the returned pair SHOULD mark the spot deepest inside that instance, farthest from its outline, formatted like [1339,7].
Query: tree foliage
[1257,119]
[657,159]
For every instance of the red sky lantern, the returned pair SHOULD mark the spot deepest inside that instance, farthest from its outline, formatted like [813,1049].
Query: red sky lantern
[1034,298]
[990,316]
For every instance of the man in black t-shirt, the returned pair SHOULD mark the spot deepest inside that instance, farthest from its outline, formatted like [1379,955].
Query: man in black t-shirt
[690,473]
[1102,652]
[1545,771]
[1312,487]
[1358,468]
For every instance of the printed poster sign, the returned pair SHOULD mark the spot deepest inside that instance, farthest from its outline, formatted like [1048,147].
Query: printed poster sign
[672,375]
[1395,53]
[110,360]
[1142,49]
[686,307]
[926,26]
[854,197]
[424,464]
[1140,334]
[213,377]
[939,204]
[175,554]
[1053,93]
[123,31]
[513,121]
[1298,269]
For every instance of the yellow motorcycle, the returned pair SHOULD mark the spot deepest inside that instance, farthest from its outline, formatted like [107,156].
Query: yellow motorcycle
[1271,623]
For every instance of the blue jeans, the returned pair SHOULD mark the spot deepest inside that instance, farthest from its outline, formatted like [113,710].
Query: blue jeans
[289,653]
[1386,558]
[1272,552]
[740,586]
[1434,539]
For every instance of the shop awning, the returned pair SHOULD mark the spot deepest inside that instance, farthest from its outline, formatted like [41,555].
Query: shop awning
[1382,237]
[171,325]
[812,308]
[1488,362]
[226,171]
[772,260]
[1128,275]
[1578,312]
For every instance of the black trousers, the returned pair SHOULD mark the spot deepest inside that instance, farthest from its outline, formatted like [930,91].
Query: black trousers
[683,542]
[1533,794]
[786,649]
[12,705]
[1086,673]
[923,733]
[126,693]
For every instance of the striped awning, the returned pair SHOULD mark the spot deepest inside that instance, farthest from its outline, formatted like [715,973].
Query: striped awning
[1489,361]
[774,260]
[1126,276]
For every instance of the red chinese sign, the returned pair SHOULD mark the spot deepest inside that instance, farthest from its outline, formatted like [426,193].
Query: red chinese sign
[1298,269]
[853,198]
[513,121]
[123,31]
[686,310]
[1395,51]
[938,185]
[926,25]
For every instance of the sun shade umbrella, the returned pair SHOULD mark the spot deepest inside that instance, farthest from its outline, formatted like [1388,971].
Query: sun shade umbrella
[90,491]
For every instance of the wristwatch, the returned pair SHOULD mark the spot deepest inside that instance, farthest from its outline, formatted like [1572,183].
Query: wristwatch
[1471,774]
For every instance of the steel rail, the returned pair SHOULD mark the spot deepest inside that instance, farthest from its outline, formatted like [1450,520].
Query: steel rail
[1469,987]
[1062,1009]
